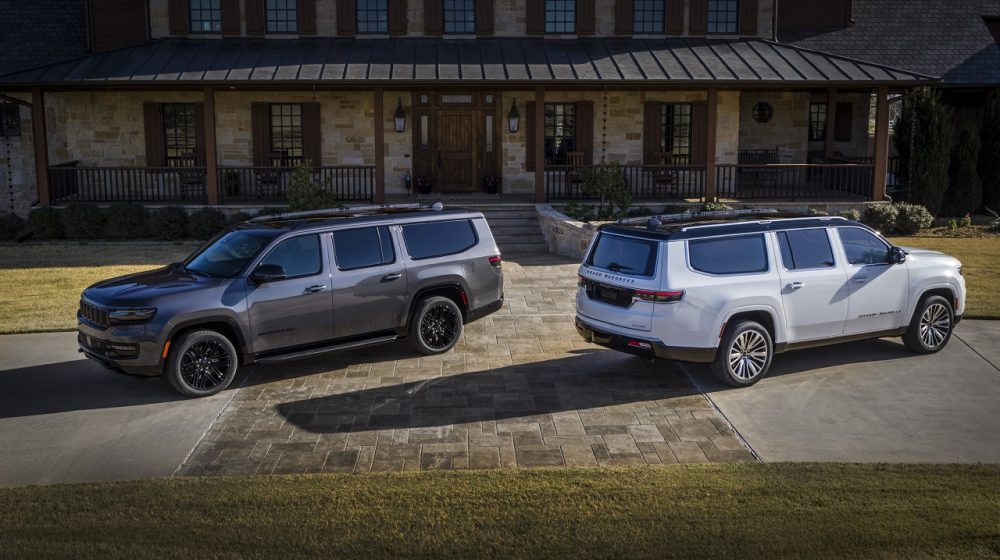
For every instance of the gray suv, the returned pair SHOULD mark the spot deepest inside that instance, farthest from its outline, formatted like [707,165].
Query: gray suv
[295,285]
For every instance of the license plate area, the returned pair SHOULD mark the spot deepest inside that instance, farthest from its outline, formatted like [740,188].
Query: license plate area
[619,297]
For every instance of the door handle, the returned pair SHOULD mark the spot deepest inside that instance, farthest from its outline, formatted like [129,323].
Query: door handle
[859,279]
[391,277]
[314,289]
[796,285]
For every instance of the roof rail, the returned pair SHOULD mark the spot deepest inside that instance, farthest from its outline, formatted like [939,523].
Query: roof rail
[684,216]
[348,211]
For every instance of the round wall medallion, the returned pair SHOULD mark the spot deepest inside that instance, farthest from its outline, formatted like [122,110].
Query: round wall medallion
[762,112]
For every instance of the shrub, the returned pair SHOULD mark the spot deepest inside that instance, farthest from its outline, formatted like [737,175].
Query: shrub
[989,152]
[881,217]
[10,226]
[579,212]
[929,151]
[607,181]
[84,221]
[966,220]
[45,223]
[817,212]
[127,221]
[306,194]
[168,223]
[965,190]
[715,207]
[851,214]
[952,225]
[911,218]
[205,223]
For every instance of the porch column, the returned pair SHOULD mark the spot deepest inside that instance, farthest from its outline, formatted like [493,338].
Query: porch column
[41,144]
[831,120]
[881,162]
[539,132]
[379,194]
[211,162]
[711,122]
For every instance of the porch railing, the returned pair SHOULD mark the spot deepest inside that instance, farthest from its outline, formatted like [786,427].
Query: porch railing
[794,181]
[892,178]
[644,182]
[69,184]
[270,184]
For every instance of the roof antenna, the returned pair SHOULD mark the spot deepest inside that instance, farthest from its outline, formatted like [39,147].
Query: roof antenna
[653,224]
[437,206]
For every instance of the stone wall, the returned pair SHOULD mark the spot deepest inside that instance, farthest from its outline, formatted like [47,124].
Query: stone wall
[398,146]
[563,235]
[513,164]
[159,20]
[509,17]
[17,167]
[787,131]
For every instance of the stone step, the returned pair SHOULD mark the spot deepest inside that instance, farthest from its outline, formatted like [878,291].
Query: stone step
[524,248]
[508,231]
[490,216]
[521,241]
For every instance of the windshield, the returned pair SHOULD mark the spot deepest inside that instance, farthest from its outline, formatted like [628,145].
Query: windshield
[624,255]
[228,254]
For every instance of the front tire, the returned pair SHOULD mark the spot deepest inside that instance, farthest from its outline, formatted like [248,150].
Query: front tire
[201,363]
[745,354]
[931,326]
[436,325]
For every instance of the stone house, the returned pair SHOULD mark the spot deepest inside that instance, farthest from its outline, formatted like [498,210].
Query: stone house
[214,101]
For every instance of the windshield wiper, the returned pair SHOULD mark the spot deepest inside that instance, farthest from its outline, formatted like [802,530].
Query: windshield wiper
[615,267]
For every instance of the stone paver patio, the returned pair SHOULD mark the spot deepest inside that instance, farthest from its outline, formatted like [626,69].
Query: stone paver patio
[520,390]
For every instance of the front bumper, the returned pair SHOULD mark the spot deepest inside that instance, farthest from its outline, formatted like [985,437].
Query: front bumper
[645,347]
[129,349]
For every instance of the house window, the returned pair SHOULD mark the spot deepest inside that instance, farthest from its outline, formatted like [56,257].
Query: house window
[817,122]
[560,16]
[180,135]
[206,16]
[10,121]
[373,16]
[675,118]
[282,16]
[647,16]
[560,132]
[723,16]
[286,131]
[460,16]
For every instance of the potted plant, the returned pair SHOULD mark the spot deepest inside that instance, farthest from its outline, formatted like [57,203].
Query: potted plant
[423,184]
[231,182]
[491,184]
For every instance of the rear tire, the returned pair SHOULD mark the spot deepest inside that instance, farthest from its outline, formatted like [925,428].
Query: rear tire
[745,354]
[201,363]
[931,325]
[436,325]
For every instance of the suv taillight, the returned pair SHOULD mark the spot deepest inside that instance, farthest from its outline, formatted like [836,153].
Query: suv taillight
[496,261]
[657,297]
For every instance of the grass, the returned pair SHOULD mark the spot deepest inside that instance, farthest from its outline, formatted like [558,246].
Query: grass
[748,510]
[42,282]
[980,264]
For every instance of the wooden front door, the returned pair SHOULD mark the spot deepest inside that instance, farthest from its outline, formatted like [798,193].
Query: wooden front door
[458,143]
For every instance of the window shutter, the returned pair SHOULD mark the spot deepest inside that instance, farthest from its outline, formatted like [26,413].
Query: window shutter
[199,134]
[585,130]
[842,125]
[346,17]
[255,17]
[397,17]
[699,133]
[260,132]
[748,17]
[230,17]
[652,132]
[535,17]
[177,12]
[673,19]
[307,17]
[623,17]
[153,128]
[433,17]
[585,24]
[698,23]
[484,17]
[312,137]
[529,135]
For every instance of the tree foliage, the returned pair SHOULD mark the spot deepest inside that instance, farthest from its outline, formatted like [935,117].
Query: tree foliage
[607,181]
[306,194]
[989,152]
[965,191]
[930,149]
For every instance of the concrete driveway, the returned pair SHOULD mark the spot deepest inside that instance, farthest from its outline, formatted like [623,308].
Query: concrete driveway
[64,418]
[873,401]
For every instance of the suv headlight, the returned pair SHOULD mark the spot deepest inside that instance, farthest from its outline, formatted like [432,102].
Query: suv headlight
[131,315]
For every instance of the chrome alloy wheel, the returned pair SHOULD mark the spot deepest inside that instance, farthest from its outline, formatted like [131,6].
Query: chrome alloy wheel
[935,324]
[439,326]
[748,355]
[205,365]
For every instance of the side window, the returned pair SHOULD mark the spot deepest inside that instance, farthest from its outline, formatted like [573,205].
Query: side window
[729,255]
[299,256]
[805,248]
[437,239]
[363,247]
[862,247]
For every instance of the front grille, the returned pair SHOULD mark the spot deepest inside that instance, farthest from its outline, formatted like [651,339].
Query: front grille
[620,297]
[93,314]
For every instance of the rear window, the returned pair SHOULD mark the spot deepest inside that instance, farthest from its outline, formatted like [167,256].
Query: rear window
[729,255]
[626,255]
[363,247]
[437,239]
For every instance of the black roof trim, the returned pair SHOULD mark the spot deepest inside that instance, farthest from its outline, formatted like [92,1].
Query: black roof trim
[726,227]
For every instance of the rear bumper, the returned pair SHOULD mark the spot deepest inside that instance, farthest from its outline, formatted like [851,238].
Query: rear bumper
[485,310]
[642,346]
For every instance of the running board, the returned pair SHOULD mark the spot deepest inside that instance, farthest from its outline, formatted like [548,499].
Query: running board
[325,349]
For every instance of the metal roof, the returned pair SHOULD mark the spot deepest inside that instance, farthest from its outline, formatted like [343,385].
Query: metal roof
[397,61]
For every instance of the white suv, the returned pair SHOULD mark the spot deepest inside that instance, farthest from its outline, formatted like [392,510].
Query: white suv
[735,288]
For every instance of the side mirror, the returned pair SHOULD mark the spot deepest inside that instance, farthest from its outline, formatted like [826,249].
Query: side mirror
[268,273]
[897,255]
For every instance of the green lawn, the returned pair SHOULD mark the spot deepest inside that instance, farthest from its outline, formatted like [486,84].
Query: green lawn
[748,510]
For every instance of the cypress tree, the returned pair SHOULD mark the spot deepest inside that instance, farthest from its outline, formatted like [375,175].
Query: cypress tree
[965,191]
[929,154]
[989,153]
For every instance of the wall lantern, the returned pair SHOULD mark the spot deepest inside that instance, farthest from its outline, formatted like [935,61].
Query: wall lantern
[513,118]
[400,117]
